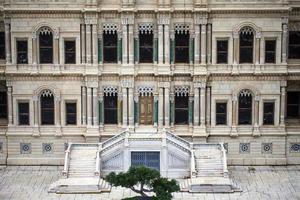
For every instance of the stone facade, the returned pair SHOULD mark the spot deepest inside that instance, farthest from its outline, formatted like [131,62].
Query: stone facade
[202,79]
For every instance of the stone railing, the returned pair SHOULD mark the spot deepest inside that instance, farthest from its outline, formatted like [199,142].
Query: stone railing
[67,159]
[98,160]
[225,170]
[113,140]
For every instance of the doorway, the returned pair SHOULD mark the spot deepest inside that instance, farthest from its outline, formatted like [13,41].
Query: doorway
[146,110]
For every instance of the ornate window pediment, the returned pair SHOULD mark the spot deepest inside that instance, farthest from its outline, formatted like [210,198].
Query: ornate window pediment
[182,90]
[47,93]
[45,31]
[247,30]
[110,28]
[245,93]
[146,90]
[146,28]
[181,28]
[110,90]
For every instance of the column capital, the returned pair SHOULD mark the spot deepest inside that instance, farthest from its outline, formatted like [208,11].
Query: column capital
[234,98]
[257,98]
[127,84]
[127,20]
[235,35]
[201,20]
[258,35]
[200,85]
[164,85]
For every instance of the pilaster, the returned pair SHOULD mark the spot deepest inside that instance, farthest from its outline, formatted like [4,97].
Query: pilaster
[7,27]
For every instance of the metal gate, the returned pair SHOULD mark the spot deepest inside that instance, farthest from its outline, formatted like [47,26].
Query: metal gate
[147,159]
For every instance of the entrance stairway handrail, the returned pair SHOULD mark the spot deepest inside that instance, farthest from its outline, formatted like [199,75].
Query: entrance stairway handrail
[112,140]
[225,170]
[67,159]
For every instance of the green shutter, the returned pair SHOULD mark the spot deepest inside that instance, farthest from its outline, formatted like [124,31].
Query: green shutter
[120,50]
[155,113]
[172,49]
[191,50]
[136,112]
[155,50]
[191,105]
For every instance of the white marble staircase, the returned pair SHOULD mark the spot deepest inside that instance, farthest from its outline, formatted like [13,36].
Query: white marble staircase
[82,162]
[208,161]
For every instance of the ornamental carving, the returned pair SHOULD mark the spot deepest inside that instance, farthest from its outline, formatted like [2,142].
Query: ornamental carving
[245,93]
[146,28]
[146,90]
[247,30]
[294,26]
[45,31]
[182,91]
[110,28]
[47,93]
[181,28]
[110,90]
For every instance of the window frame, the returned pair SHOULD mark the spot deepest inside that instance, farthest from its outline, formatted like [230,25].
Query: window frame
[185,109]
[5,105]
[297,105]
[227,51]
[65,52]
[17,52]
[274,109]
[252,49]
[145,47]
[275,49]
[293,45]
[105,47]
[41,112]
[114,109]
[39,50]
[3,46]
[226,112]
[67,114]
[28,114]
[187,47]
[251,112]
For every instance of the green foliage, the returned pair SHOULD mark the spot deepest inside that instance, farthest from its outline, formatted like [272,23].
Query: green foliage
[142,176]
[164,188]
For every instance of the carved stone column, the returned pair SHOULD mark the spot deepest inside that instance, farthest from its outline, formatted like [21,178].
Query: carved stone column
[89,106]
[203,43]
[35,111]
[7,41]
[208,107]
[172,109]
[9,105]
[125,107]
[196,105]
[160,44]
[209,43]
[58,116]
[56,48]
[124,45]
[202,104]
[120,102]
[167,107]
[136,109]
[234,117]
[34,49]
[83,102]
[88,44]
[101,110]
[167,43]
[197,44]
[190,110]
[284,43]
[160,107]
[83,45]
[131,43]
[131,107]
[95,106]
[256,111]
[282,105]
[235,48]
[257,46]
[95,44]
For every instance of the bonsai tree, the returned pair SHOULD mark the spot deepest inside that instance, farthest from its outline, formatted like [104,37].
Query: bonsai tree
[141,179]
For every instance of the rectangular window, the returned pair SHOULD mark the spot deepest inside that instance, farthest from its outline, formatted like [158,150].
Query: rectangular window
[182,47]
[270,51]
[22,52]
[23,108]
[3,105]
[2,45]
[293,105]
[70,52]
[146,47]
[110,47]
[221,113]
[294,44]
[222,51]
[71,114]
[246,47]
[111,109]
[181,110]
[269,113]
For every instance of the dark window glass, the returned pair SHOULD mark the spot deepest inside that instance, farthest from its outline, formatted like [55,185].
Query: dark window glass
[47,110]
[2,45]
[269,113]
[246,47]
[181,109]
[71,114]
[70,52]
[146,47]
[23,113]
[221,113]
[182,47]
[147,159]
[22,52]
[46,48]
[110,47]
[222,51]
[294,44]
[245,109]
[270,51]
[293,101]
[3,105]
[110,109]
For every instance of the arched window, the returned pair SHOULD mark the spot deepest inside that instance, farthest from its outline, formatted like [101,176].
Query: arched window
[47,108]
[246,45]
[46,45]
[245,107]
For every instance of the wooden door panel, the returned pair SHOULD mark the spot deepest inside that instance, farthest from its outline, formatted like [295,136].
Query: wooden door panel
[146,110]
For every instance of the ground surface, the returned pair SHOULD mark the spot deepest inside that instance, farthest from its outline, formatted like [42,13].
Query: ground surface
[31,183]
